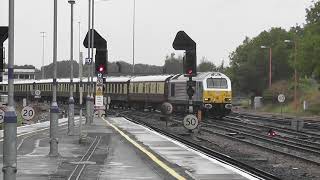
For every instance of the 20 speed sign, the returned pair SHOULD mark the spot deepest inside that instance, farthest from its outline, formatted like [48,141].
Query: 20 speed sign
[190,122]
[27,113]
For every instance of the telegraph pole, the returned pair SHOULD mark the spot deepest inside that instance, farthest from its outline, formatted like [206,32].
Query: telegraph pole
[43,35]
[54,109]
[71,99]
[92,69]
[10,117]
[133,33]
[88,104]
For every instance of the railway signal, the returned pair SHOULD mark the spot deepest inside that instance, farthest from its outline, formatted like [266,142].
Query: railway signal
[101,51]
[101,61]
[183,42]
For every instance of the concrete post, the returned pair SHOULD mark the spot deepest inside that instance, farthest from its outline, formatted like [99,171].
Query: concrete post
[71,99]
[54,109]
[10,117]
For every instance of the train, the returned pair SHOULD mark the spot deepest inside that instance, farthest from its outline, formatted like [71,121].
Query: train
[213,92]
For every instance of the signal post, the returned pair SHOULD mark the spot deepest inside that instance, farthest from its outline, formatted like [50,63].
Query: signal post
[101,58]
[183,42]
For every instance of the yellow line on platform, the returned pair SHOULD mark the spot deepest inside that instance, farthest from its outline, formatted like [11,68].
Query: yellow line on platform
[151,156]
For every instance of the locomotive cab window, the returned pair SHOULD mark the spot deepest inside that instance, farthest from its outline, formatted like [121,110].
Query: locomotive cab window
[219,83]
[172,90]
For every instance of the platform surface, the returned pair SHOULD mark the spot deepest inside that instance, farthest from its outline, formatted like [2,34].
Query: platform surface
[124,151]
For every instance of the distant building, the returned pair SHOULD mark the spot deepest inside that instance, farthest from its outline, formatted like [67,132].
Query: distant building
[20,74]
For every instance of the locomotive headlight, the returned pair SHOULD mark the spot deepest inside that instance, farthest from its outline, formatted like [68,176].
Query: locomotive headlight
[227,99]
[206,99]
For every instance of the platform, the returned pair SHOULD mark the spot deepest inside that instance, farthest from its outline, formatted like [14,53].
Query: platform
[120,150]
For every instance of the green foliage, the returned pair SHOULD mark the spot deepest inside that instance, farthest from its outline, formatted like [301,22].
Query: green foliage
[249,63]
[205,65]
[173,65]
[313,15]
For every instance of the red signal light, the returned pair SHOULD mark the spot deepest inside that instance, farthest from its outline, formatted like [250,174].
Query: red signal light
[190,71]
[101,68]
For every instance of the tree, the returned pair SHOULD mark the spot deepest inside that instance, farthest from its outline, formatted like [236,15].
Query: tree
[308,44]
[313,14]
[206,66]
[173,65]
[249,64]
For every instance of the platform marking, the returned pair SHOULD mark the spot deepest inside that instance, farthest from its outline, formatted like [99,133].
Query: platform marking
[151,156]
[35,131]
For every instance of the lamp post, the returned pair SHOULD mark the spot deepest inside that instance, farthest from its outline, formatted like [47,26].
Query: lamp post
[43,35]
[133,33]
[9,168]
[71,99]
[295,72]
[270,63]
[54,109]
[88,104]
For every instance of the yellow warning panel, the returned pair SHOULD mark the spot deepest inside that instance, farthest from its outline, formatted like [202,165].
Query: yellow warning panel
[99,90]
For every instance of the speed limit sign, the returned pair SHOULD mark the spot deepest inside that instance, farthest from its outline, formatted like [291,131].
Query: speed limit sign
[1,115]
[27,113]
[190,122]
[281,98]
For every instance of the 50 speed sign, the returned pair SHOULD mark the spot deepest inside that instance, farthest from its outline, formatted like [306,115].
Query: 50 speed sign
[27,113]
[190,122]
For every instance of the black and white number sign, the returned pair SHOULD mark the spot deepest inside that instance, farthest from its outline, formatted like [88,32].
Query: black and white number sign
[190,122]
[281,98]
[27,113]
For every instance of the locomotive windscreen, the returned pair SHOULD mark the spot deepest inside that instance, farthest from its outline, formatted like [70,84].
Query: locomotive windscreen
[219,83]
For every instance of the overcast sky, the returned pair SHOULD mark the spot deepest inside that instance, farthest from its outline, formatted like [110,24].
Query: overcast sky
[217,26]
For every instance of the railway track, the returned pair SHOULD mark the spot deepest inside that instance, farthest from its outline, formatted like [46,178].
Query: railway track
[309,153]
[140,117]
[81,165]
[288,133]
[308,123]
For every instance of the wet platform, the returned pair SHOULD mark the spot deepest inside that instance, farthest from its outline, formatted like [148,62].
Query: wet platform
[113,148]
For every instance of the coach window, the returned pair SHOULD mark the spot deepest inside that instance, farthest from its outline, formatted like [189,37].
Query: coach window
[134,88]
[125,89]
[144,88]
[120,88]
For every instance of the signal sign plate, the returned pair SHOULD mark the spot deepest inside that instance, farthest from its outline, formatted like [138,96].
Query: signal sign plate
[281,98]
[99,101]
[99,90]
[27,113]
[190,122]
[99,81]
[88,61]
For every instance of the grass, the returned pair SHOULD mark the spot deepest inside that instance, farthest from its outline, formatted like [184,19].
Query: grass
[308,90]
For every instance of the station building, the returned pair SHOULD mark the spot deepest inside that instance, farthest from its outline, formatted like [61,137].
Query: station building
[21,74]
